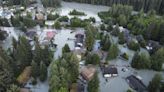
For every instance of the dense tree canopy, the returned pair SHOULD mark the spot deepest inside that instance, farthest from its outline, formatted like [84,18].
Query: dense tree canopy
[51,3]
[6,71]
[63,72]
[141,61]
[93,85]
[146,5]
[158,59]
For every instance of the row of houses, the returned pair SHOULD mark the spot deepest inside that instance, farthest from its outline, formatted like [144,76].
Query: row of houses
[151,45]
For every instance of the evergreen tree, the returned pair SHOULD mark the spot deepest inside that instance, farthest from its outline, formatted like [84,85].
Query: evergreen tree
[121,38]
[57,25]
[113,52]
[66,49]
[154,85]
[43,71]
[6,71]
[141,61]
[105,42]
[90,40]
[157,59]
[13,88]
[51,3]
[35,70]
[116,30]
[93,85]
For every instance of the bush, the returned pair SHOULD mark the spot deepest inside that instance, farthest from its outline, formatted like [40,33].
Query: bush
[34,81]
[133,45]
[141,61]
[125,56]
[52,17]
[77,22]
[102,27]
[28,22]
[143,44]
[63,19]
[75,12]
[57,25]
[121,38]
[92,19]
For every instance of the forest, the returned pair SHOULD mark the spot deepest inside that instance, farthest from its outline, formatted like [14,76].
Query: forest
[146,5]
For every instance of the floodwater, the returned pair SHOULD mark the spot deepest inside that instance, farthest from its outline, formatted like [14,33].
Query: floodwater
[89,10]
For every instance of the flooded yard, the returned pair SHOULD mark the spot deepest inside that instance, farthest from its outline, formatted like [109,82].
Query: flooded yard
[90,10]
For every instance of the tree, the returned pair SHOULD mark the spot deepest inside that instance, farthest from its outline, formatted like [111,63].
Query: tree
[141,61]
[57,25]
[110,27]
[116,30]
[121,38]
[66,49]
[28,22]
[35,70]
[105,42]
[157,59]
[23,53]
[58,76]
[154,85]
[13,88]
[113,52]
[63,90]
[92,19]
[3,35]
[133,45]
[126,5]
[43,71]
[6,71]
[52,17]
[102,27]
[51,3]
[73,68]
[93,85]
[15,21]
[38,53]
[90,40]
[122,20]
[92,59]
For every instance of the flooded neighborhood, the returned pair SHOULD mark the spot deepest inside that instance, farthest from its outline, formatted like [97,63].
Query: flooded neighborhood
[63,46]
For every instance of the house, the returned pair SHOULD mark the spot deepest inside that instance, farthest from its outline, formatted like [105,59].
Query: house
[140,38]
[136,84]
[152,46]
[127,35]
[31,34]
[79,40]
[88,72]
[40,16]
[110,71]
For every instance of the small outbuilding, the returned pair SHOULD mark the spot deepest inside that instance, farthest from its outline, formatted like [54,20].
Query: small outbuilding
[110,71]
[88,72]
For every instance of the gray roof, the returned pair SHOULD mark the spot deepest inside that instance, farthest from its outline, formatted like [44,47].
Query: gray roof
[110,70]
[136,84]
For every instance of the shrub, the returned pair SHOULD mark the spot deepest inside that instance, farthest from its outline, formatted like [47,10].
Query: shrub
[57,25]
[133,45]
[75,12]
[63,19]
[52,17]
